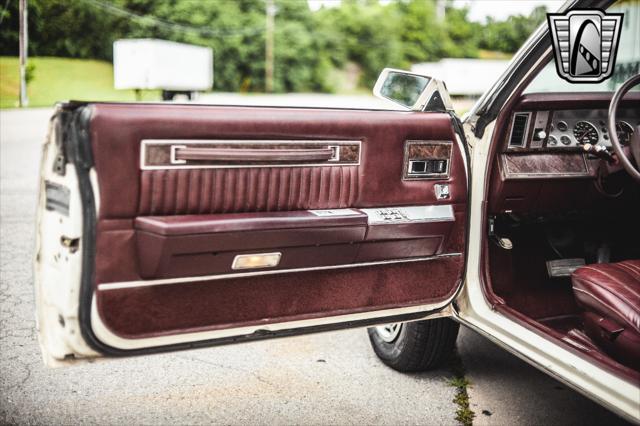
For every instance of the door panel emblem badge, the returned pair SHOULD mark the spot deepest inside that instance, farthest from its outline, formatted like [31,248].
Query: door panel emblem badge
[585,44]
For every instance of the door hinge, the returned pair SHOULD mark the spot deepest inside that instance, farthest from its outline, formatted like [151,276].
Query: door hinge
[59,164]
[60,161]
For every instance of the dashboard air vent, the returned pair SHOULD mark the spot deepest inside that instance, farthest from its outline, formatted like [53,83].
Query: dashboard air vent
[519,130]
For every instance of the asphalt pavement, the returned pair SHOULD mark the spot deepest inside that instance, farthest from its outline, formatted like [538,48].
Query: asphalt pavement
[329,378]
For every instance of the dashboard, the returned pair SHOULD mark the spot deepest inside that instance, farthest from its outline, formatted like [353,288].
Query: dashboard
[568,130]
[541,163]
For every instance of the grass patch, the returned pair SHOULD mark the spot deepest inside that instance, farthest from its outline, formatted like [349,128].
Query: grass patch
[59,79]
[464,414]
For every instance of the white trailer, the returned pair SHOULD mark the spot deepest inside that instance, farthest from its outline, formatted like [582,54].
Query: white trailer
[174,68]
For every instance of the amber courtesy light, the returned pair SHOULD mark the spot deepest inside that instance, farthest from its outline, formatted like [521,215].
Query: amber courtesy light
[260,260]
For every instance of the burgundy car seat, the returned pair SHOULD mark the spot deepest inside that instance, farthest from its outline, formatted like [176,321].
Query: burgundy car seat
[609,293]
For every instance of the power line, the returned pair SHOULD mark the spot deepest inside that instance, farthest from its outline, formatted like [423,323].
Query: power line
[146,19]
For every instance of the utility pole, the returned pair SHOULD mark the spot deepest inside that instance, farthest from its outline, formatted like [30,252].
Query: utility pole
[24,43]
[268,66]
[440,10]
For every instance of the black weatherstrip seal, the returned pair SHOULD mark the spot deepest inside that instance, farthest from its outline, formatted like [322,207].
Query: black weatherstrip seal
[78,148]
[459,131]
[78,145]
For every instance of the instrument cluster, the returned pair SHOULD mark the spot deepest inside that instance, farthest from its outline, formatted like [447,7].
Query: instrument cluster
[569,129]
[574,133]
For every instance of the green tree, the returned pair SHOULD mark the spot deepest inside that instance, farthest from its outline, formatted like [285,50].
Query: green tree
[462,34]
[368,34]
[510,34]
[308,45]
[423,38]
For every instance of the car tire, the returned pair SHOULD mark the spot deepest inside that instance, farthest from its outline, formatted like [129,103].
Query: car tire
[415,346]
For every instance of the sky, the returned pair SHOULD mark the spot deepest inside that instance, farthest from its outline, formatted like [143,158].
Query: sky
[479,10]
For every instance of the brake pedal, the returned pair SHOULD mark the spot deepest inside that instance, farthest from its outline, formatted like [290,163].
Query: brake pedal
[563,267]
[502,242]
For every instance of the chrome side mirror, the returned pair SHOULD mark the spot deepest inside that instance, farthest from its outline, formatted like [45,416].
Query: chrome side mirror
[415,92]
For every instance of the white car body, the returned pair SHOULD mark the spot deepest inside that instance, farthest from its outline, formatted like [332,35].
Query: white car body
[470,307]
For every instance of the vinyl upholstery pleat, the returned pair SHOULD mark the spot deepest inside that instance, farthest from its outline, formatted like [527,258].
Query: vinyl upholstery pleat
[208,191]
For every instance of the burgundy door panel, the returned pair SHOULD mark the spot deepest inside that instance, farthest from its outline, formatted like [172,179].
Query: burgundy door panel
[117,131]
[191,219]
[179,246]
[176,259]
[242,222]
[399,249]
[210,305]
[192,245]
[408,230]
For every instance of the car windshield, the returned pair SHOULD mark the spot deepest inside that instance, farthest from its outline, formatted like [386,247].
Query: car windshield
[627,62]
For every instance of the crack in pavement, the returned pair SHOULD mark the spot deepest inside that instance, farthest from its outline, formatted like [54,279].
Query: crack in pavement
[252,373]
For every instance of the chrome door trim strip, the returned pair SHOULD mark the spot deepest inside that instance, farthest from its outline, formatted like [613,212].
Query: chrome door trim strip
[406,175]
[170,281]
[184,142]
[413,214]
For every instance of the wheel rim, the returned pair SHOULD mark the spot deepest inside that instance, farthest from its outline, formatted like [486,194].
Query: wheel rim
[389,332]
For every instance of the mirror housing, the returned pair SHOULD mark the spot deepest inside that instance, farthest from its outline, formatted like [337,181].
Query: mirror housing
[415,92]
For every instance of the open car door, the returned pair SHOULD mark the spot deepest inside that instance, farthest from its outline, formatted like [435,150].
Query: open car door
[165,226]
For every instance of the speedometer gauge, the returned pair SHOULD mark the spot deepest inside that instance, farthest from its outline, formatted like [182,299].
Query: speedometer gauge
[585,132]
[624,132]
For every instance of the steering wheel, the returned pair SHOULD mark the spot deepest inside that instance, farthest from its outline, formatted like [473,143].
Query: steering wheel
[634,143]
